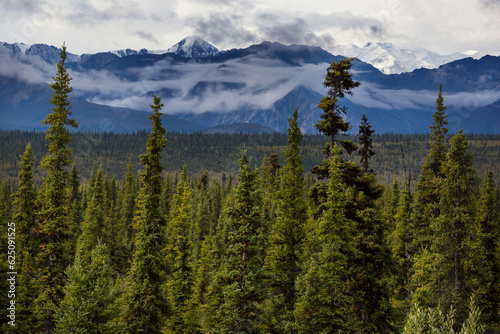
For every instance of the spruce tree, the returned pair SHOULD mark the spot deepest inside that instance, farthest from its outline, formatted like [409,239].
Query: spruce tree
[53,233]
[181,284]
[370,264]
[125,232]
[485,264]
[339,82]
[400,241]
[427,188]
[240,280]
[365,143]
[145,304]
[323,297]
[75,207]
[89,304]
[24,206]
[287,234]
[454,224]
[93,227]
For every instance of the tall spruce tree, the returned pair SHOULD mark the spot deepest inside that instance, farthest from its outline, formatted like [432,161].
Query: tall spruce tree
[365,143]
[75,206]
[485,264]
[427,188]
[145,304]
[24,206]
[125,233]
[339,82]
[323,298]
[287,234]
[93,227]
[400,241]
[453,225]
[53,233]
[240,280]
[181,284]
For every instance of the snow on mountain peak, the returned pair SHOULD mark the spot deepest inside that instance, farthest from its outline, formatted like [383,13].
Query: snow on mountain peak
[390,59]
[193,47]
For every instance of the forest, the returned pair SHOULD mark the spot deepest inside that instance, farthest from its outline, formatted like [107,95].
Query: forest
[157,232]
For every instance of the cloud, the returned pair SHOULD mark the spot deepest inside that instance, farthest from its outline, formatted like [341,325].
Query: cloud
[371,96]
[21,6]
[32,70]
[295,31]
[222,28]
[146,36]
[88,13]
[490,3]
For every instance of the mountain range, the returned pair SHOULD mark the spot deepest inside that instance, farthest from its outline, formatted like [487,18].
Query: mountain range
[203,87]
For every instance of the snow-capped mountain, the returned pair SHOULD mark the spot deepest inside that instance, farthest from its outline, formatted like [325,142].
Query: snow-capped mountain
[390,59]
[129,52]
[259,84]
[193,47]
[48,53]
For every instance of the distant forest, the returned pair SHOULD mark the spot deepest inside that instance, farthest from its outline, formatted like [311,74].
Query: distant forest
[218,154]
[161,232]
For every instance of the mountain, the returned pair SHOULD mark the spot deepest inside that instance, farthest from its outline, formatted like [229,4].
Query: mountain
[48,53]
[260,85]
[390,59]
[24,106]
[235,128]
[193,47]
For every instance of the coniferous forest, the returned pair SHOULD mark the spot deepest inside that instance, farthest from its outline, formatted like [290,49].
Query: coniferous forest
[284,237]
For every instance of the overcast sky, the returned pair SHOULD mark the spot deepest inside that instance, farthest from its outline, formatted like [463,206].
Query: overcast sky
[89,26]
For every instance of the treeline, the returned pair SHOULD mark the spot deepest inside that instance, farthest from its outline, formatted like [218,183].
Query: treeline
[268,251]
[218,153]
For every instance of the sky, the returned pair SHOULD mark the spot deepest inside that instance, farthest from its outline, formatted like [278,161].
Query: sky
[90,26]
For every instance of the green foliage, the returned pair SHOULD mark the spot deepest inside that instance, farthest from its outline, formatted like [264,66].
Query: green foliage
[53,233]
[181,285]
[93,226]
[240,279]
[323,297]
[145,305]
[287,235]
[89,304]
[485,266]
[365,143]
[435,321]
[24,207]
[455,223]
[427,197]
[259,257]
[339,82]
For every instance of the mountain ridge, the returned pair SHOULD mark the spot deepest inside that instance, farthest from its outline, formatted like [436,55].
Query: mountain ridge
[262,84]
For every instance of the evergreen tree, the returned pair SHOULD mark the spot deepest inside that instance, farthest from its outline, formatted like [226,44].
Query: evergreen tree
[274,168]
[24,204]
[485,264]
[455,223]
[365,143]
[400,241]
[427,188]
[370,264]
[181,284]
[145,305]
[54,237]
[339,82]
[89,304]
[240,280]
[323,298]
[287,234]
[93,227]
[75,207]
